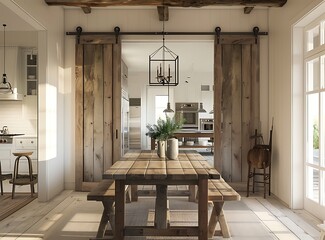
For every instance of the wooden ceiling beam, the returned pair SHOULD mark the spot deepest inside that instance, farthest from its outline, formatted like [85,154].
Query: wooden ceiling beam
[170,3]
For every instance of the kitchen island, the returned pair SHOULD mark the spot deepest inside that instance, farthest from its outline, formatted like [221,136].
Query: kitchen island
[189,138]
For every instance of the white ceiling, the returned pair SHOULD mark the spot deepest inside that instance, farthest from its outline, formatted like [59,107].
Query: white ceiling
[194,56]
[14,22]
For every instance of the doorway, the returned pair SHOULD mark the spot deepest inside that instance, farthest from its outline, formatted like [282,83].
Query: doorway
[196,69]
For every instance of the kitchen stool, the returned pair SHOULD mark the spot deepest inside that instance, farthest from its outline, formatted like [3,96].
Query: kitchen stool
[3,177]
[23,179]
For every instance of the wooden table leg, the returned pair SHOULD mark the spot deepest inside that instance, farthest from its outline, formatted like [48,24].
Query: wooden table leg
[161,207]
[203,209]
[119,209]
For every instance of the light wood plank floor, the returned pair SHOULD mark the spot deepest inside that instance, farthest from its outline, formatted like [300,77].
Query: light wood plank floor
[71,216]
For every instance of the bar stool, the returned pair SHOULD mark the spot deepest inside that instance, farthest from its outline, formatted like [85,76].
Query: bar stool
[3,177]
[23,179]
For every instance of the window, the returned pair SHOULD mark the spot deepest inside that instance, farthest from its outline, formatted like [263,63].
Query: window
[315,114]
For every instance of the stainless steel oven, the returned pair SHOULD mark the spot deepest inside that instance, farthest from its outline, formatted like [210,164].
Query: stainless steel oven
[206,124]
[189,113]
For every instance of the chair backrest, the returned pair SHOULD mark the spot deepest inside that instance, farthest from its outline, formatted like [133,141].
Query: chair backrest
[260,155]
[270,139]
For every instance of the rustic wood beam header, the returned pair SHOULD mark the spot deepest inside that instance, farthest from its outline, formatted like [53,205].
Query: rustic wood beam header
[247,10]
[86,10]
[170,3]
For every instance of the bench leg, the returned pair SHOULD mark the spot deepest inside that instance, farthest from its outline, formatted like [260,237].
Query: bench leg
[192,190]
[322,236]
[128,193]
[134,193]
[218,216]
[322,233]
[107,217]
[248,178]
[1,186]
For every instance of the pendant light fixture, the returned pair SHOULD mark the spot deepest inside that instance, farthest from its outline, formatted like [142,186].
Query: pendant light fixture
[164,68]
[163,65]
[168,109]
[5,86]
[201,109]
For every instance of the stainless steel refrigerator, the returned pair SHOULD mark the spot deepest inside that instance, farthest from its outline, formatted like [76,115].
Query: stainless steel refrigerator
[125,124]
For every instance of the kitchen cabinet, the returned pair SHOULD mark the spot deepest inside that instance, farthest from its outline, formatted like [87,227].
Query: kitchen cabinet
[5,157]
[30,71]
[26,144]
[19,144]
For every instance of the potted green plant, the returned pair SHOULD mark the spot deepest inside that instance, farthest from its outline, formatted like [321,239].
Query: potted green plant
[163,131]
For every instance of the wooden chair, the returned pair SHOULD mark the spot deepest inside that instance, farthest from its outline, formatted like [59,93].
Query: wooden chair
[3,177]
[259,158]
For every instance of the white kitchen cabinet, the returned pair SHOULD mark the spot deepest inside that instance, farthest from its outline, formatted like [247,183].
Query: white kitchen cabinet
[30,72]
[26,144]
[5,158]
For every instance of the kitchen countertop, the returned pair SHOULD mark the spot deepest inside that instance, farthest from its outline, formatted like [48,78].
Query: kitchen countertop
[194,131]
[11,134]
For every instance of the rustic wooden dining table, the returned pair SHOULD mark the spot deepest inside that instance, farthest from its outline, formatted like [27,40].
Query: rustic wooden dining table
[146,168]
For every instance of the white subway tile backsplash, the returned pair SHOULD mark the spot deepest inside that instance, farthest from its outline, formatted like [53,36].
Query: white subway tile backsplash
[14,115]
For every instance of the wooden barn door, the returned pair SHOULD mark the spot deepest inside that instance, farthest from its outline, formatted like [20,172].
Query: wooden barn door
[98,108]
[237,103]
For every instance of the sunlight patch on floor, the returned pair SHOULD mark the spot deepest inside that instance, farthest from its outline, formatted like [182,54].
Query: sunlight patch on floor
[83,222]
[50,222]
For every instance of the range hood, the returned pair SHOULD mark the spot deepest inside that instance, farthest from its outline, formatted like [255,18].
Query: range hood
[13,60]
[11,97]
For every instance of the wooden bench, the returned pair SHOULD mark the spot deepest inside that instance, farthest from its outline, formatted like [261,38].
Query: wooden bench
[322,233]
[105,192]
[219,192]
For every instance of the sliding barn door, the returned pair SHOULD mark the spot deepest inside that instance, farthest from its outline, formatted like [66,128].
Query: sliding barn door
[98,108]
[237,103]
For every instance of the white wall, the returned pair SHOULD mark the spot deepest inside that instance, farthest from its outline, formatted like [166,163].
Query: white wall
[48,21]
[285,90]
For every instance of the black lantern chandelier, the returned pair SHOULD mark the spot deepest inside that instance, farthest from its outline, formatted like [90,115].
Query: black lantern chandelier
[163,66]
[5,86]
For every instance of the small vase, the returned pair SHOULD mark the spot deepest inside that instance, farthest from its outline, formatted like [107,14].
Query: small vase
[172,148]
[161,148]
